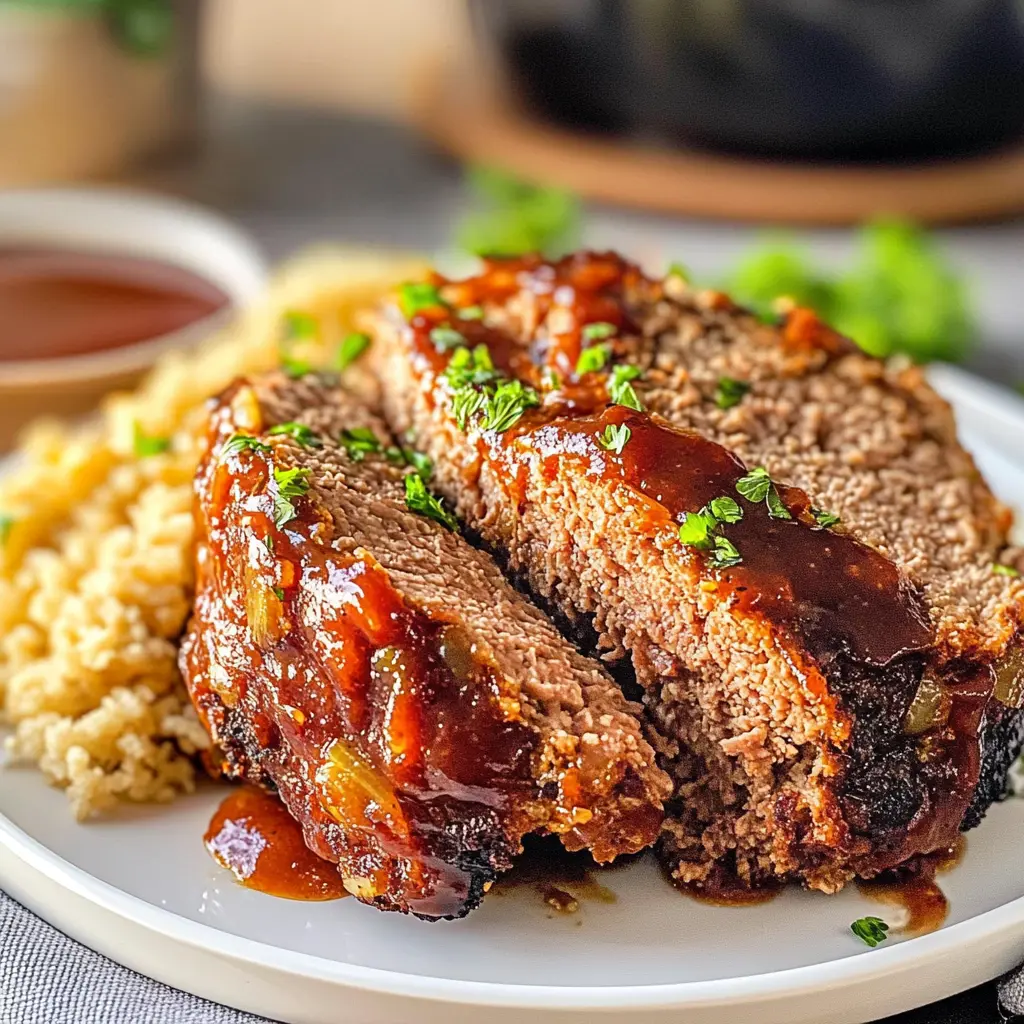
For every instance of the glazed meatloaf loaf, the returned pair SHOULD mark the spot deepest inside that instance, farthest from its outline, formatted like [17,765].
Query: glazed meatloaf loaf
[779,536]
[416,715]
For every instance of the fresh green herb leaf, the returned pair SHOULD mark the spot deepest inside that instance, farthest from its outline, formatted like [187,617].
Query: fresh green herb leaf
[900,295]
[592,359]
[615,437]
[469,366]
[725,510]
[148,444]
[445,338]
[550,380]
[598,331]
[394,454]
[755,485]
[420,462]
[268,542]
[418,499]
[351,348]
[299,326]
[1004,570]
[471,313]
[358,441]
[291,484]
[6,526]
[725,553]
[620,390]
[824,519]
[729,392]
[696,530]
[507,404]
[279,593]
[776,509]
[511,217]
[418,295]
[870,930]
[243,442]
[298,432]
[467,401]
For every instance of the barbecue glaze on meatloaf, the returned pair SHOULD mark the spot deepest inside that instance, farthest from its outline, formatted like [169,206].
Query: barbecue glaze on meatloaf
[416,715]
[832,697]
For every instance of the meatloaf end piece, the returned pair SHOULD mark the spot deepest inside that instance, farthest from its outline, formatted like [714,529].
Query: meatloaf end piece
[833,697]
[416,715]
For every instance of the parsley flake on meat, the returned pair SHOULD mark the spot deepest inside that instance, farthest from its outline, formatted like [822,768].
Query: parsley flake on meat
[757,486]
[615,437]
[725,509]
[408,457]
[445,338]
[1004,570]
[243,442]
[471,313]
[418,499]
[870,930]
[729,392]
[599,330]
[506,404]
[418,295]
[620,390]
[358,441]
[148,444]
[351,348]
[725,553]
[291,484]
[592,359]
[824,519]
[702,530]
[298,432]
[469,366]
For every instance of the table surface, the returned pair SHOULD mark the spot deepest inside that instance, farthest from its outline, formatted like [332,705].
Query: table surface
[295,177]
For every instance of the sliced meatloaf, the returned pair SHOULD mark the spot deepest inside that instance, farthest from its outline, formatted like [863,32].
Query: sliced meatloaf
[780,536]
[416,715]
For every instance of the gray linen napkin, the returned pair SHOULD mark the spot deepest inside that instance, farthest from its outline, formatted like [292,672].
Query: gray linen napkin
[47,978]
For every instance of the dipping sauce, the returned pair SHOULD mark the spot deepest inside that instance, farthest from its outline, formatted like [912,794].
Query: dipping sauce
[261,844]
[57,303]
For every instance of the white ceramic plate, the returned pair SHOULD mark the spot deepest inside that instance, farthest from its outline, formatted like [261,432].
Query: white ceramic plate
[141,889]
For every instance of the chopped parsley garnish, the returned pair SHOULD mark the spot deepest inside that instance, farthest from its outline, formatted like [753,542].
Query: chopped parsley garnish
[6,525]
[729,392]
[598,331]
[469,366]
[620,390]
[471,313]
[418,295]
[291,483]
[445,338]
[702,530]
[511,398]
[824,519]
[870,930]
[467,401]
[279,593]
[268,542]
[243,442]
[298,432]
[550,379]
[592,359]
[725,509]
[351,348]
[408,457]
[418,499]
[757,486]
[614,437]
[148,444]
[299,326]
[358,441]
[1004,570]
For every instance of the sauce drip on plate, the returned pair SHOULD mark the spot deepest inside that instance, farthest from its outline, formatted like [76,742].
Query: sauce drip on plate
[56,303]
[260,843]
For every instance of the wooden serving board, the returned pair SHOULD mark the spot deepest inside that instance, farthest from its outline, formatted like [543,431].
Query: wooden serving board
[466,113]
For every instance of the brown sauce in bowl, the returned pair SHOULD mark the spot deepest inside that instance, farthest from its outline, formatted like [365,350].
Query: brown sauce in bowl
[260,843]
[56,303]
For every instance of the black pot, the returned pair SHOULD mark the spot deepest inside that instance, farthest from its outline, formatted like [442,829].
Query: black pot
[871,80]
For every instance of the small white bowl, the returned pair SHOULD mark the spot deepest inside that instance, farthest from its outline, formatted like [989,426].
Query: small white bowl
[127,223]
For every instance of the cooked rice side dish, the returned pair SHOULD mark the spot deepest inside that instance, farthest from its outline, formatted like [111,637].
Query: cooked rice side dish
[96,568]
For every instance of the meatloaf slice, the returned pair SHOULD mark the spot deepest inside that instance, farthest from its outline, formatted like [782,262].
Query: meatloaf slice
[781,535]
[415,714]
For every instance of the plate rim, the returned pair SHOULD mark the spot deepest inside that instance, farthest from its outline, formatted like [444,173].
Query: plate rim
[1000,408]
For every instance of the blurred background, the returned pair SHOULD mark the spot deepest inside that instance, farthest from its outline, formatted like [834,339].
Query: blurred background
[864,156]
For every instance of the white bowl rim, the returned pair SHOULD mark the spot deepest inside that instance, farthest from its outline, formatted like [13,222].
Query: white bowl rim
[241,290]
